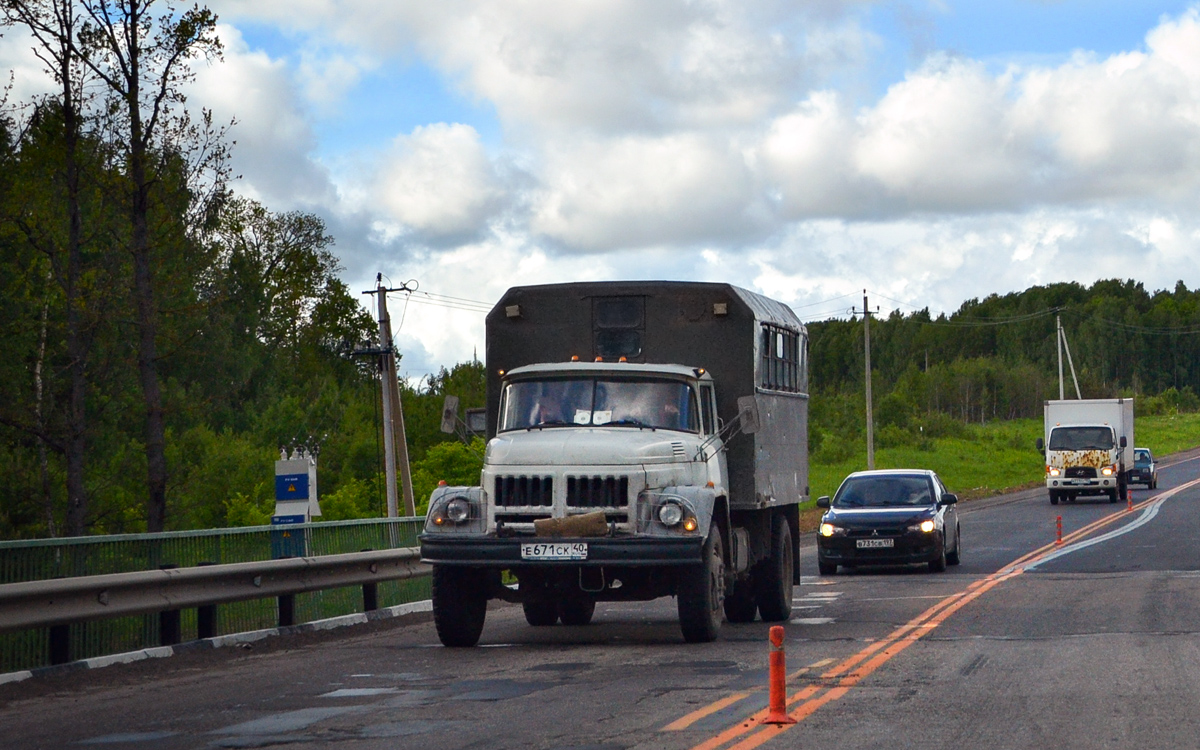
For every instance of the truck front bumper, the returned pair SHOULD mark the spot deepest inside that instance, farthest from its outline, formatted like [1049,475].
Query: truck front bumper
[506,552]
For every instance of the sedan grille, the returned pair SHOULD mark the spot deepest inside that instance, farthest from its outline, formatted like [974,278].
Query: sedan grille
[524,491]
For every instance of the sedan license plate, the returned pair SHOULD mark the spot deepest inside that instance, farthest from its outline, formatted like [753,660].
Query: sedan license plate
[554,551]
[875,543]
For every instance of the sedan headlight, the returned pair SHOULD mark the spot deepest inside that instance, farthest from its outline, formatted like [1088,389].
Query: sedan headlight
[923,527]
[828,530]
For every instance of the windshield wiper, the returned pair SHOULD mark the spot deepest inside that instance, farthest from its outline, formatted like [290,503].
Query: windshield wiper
[550,423]
[629,421]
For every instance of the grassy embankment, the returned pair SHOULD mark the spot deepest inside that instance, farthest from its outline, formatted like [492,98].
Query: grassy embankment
[990,459]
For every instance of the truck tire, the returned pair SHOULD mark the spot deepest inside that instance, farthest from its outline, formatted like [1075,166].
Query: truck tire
[739,601]
[540,613]
[1053,497]
[459,605]
[773,589]
[576,610]
[701,592]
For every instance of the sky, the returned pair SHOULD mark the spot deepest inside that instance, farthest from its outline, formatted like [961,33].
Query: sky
[927,151]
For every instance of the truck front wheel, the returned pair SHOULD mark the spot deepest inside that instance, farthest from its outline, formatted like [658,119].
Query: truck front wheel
[701,592]
[774,582]
[459,604]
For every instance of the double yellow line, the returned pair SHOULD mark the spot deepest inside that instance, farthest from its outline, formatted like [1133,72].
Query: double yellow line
[837,681]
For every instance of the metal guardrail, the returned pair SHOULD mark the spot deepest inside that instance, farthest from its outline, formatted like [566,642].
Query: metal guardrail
[321,586]
[65,600]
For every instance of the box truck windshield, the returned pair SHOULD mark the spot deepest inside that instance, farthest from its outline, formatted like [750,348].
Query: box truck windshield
[624,402]
[1081,439]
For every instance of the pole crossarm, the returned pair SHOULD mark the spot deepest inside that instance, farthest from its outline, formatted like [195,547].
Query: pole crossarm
[33,604]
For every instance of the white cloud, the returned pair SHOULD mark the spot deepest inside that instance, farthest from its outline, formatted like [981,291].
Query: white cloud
[438,181]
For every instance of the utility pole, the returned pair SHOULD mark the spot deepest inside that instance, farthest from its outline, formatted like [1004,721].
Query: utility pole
[1062,342]
[395,444]
[866,311]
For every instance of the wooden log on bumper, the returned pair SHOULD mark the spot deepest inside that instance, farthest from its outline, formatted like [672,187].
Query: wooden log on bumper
[586,524]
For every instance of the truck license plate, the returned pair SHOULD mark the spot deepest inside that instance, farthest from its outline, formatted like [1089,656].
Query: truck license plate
[554,551]
[873,543]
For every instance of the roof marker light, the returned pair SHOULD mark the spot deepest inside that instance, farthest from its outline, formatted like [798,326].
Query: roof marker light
[574,357]
[599,359]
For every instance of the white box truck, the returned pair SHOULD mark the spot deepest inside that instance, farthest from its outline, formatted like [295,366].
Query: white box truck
[647,439]
[1088,446]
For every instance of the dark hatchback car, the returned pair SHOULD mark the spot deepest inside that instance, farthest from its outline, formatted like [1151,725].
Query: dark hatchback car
[890,517]
[1145,470]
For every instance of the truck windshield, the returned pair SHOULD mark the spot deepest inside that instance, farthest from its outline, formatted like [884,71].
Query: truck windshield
[625,402]
[1081,439]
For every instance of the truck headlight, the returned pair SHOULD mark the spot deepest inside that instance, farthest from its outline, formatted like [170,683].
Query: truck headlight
[458,510]
[670,514]
[1108,471]
[1053,471]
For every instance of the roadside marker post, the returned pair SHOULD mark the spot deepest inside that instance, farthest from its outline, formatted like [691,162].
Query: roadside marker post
[777,709]
[1129,499]
[1058,538]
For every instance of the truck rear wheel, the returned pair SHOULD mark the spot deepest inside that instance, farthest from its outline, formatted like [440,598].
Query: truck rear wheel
[739,601]
[540,613]
[773,591]
[701,592]
[577,610]
[459,605]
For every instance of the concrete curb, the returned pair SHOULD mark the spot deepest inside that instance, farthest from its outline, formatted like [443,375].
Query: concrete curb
[221,641]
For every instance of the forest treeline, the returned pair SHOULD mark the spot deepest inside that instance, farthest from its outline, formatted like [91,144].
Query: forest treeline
[162,338]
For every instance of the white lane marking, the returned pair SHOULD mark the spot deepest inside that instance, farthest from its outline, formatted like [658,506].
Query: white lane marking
[1147,515]
[812,621]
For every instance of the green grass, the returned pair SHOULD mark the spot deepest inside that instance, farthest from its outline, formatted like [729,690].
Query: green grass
[996,457]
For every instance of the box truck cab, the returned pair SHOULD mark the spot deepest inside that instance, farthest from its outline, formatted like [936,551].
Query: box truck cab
[646,439]
[1088,447]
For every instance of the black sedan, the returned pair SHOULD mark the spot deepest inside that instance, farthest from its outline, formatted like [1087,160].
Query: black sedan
[889,517]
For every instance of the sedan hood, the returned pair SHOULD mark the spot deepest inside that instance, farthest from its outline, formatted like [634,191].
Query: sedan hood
[867,518]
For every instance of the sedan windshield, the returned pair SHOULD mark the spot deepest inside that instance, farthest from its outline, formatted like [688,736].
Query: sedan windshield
[884,492]
[1081,439]
[633,402]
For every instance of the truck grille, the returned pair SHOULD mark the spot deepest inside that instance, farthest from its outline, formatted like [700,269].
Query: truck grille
[523,491]
[1080,472]
[597,492]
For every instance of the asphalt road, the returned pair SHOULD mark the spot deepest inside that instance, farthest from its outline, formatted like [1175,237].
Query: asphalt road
[1026,644]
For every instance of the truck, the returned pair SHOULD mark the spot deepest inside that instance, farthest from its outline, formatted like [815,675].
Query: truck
[1088,446]
[645,439]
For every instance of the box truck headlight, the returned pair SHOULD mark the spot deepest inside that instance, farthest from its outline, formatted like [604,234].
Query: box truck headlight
[1053,471]
[1108,471]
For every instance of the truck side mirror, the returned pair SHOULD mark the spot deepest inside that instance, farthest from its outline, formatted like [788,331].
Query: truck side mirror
[748,414]
[1040,445]
[449,414]
[476,421]
[1124,441]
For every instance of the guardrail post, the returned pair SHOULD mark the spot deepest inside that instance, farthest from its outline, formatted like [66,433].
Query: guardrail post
[168,620]
[370,597]
[206,616]
[287,610]
[60,643]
